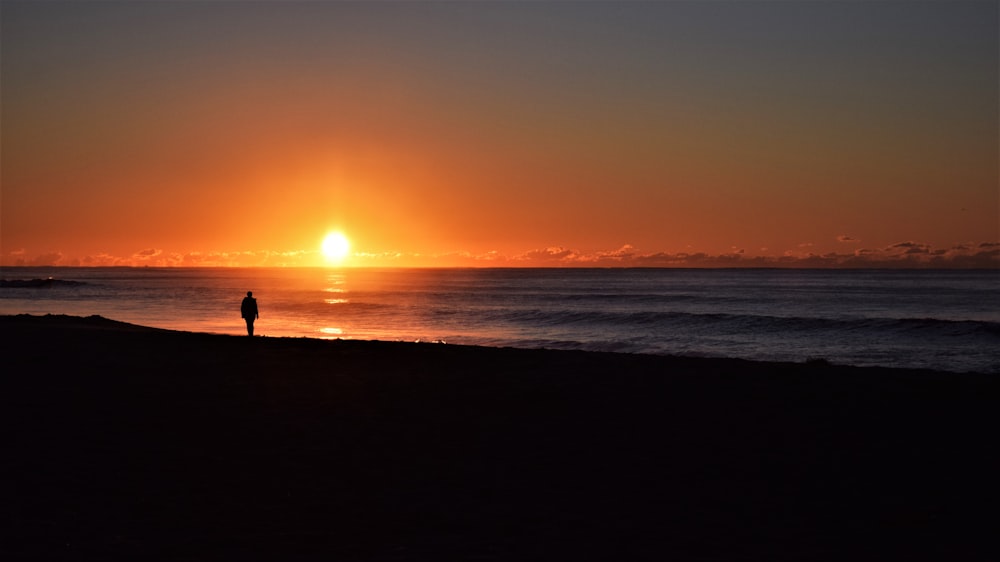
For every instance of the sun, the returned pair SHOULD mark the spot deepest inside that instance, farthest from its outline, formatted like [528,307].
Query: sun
[335,247]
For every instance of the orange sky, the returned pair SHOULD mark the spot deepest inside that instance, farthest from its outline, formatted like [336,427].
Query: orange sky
[676,133]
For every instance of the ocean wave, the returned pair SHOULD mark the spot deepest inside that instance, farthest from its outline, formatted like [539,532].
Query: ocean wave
[731,323]
[38,283]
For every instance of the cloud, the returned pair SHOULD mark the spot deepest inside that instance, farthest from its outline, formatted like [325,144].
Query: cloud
[52,258]
[146,255]
[550,255]
[907,249]
[244,258]
[492,256]
[626,253]
[906,254]
[845,238]
[102,260]
[21,258]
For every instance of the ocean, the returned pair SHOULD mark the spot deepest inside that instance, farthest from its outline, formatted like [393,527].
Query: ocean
[940,319]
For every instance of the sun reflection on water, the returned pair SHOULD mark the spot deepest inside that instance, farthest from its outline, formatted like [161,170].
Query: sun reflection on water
[331,332]
[335,280]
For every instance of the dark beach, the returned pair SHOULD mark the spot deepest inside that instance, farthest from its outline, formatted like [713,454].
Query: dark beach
[131,443]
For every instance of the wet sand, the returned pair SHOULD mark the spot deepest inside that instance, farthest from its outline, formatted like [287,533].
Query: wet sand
[130,443]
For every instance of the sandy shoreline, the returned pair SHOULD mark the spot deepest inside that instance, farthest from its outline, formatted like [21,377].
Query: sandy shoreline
[135,443]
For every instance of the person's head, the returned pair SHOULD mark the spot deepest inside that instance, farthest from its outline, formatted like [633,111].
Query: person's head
[249,293]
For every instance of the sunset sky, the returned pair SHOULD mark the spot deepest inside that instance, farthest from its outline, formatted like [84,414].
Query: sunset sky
[500,133]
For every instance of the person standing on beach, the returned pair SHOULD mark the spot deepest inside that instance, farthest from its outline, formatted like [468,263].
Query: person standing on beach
[249,311]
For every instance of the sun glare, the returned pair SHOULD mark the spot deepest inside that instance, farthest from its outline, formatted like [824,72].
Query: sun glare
[335,247]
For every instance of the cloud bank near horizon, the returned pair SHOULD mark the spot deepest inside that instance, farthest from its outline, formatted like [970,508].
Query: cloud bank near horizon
[907,254]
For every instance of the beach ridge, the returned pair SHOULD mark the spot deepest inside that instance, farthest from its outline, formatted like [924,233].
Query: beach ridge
[128,441]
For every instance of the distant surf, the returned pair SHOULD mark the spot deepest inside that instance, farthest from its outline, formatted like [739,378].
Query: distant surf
[38,283]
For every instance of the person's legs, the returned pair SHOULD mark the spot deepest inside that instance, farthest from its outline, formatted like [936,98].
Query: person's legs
[250,326]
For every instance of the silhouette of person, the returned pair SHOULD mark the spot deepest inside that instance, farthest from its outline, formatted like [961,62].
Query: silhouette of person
[249,311]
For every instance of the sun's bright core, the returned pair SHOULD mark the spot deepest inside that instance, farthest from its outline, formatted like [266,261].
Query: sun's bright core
[335,246]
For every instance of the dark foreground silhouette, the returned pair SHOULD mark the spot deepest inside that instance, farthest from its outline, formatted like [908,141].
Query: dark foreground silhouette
[127,443]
